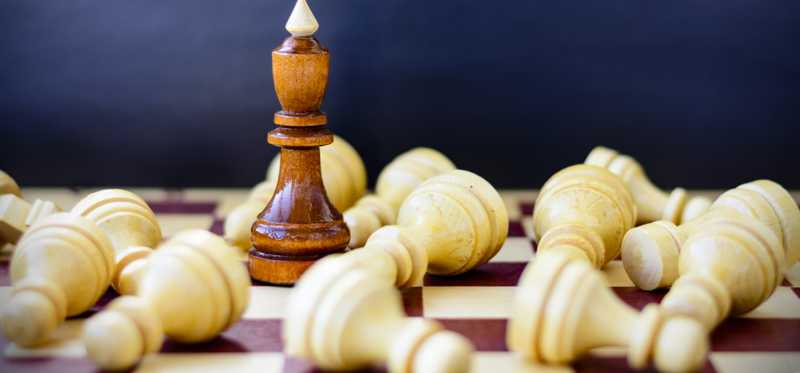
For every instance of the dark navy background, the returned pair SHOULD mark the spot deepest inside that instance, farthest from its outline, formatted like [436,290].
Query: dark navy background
[179,92]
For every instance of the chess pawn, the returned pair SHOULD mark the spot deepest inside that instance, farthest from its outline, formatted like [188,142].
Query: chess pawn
[583,212]
[729,266]
[60,267]
[16,214]
[448,225]
[194,287]
[343,174]
[562,308]
[652,203]
[342,318]
[131,227]
[395,183]
[650,252]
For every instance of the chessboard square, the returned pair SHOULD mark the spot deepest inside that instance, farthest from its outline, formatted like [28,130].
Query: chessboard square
[638,298]
[64,342]
[526,207]
[485,334]
[174,223]
[782,304]
[261,362]
[515,249]
[247,335]
[226,199]
[489,274]
[515,229]
[746,362]
[512,206]
[793,275]
[5,276]
[267,302]
[511,362]
[467,301]
[527,226]
[747,334]
[616,275]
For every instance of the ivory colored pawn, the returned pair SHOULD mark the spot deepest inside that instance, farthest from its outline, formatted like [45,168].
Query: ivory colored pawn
[652,203]
[563,308]
[131,227]
[650,252]
[16,214]
[60,267]
[193,288]
[8,185]
[396,181]
[340,317]
[583,212]
[448,225]
[729,266]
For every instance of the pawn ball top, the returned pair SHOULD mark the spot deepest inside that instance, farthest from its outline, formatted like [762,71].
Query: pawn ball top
[302,21]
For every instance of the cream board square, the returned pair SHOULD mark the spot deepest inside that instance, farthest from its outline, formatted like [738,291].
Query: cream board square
[749,362]
[173,223]
[782,304]
[515,249]
[510,362]
[267,302]
[471,302]
[255,362]
[512,207]
[227,199]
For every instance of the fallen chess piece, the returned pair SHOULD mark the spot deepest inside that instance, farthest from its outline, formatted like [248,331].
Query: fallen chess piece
[396,181]
[563,308]
[193,288]
[583,212]
[16,214]
[729,266]
[652,203]
[650,252]
[448,225]
[341,318]
[131,227]
[60,267]
[343,174]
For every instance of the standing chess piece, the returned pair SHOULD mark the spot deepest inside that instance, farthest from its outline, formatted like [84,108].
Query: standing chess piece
[61,266]
[16,214]
[341,318]
[396,181]
[652,203]
[729,266]
[299,225]
[583,212]
[343,174]
[193,288]
[448,225]
[650,252]
[563,308]
[131,227]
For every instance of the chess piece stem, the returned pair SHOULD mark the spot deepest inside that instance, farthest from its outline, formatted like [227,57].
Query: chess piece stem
[342,318]
[396,181]
[193,288]
[563,308]
[61,266]
[652,203]
[299,225]
[650,253]
[583,212]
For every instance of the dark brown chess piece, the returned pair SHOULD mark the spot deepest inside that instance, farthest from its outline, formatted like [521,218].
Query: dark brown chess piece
[299,224]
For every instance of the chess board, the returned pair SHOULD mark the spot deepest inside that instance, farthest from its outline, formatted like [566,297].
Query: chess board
[475,304]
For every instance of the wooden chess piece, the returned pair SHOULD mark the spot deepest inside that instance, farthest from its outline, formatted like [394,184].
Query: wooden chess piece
[299,224]
[583,211]
[341,318]
[16,214]
[563,308]
[650,252]
[448,225]
[396,181]
[193,288]
[60,267]
[131,227]
[343,174]
[652,203]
